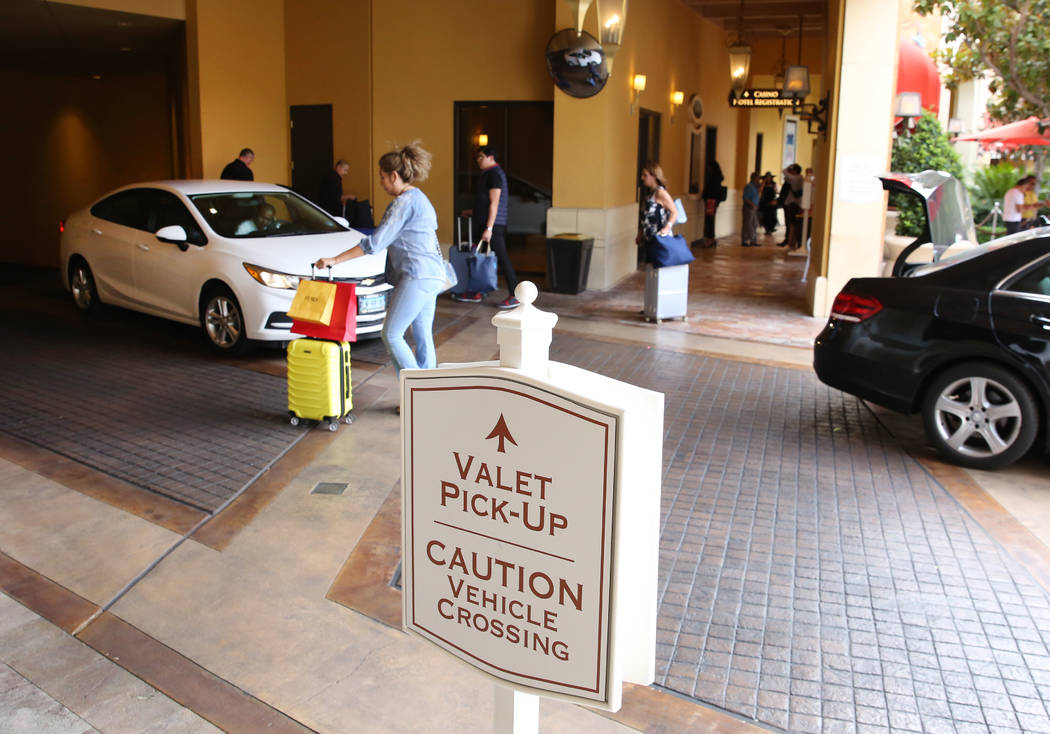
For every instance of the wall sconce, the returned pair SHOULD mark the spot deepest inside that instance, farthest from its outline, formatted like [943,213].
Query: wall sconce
[796,82]
[677,98]
[816,113]
[483,139]
[908,105]
[612,17]
[578,8]
[638,85]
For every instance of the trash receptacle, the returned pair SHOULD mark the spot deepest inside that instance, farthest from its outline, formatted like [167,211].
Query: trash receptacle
[568,262]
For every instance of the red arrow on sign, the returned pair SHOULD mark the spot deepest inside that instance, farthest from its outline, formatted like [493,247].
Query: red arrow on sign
[501,432]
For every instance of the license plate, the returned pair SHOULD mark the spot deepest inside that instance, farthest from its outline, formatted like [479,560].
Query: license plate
[371,303]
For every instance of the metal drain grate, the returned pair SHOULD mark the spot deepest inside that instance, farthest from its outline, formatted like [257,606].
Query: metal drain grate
[329,488]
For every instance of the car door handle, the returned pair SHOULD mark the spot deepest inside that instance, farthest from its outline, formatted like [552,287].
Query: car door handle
[144,248]
[1041,320]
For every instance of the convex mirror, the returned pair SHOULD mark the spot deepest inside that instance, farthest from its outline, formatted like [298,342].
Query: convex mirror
[576,63]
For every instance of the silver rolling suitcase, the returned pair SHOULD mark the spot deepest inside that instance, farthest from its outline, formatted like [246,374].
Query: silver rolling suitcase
[666,292]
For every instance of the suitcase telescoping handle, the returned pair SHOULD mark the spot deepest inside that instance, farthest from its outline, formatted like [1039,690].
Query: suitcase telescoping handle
[470,236]
[313,277]
[459,232]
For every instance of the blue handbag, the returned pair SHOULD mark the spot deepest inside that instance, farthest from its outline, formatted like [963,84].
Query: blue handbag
[663,251]
[481,270]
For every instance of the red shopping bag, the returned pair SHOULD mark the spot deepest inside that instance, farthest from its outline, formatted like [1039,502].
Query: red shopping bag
[343,325]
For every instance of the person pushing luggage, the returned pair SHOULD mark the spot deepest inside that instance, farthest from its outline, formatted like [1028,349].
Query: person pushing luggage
[415,266]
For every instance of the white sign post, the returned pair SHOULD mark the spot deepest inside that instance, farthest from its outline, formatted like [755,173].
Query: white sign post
[530,527]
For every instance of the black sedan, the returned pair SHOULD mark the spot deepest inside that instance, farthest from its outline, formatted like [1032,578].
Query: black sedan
[965,341]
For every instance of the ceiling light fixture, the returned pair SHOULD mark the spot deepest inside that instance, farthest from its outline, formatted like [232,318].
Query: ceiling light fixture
[739,55]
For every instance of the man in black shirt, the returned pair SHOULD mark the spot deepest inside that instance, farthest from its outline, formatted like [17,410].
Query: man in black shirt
[332,197]
[490,207]
[237,169]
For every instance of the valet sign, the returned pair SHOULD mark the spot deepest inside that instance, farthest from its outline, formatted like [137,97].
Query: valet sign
[509,511]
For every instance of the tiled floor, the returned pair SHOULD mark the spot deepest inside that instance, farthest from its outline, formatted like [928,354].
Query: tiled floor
[157,417]
[813,576]
[751,293]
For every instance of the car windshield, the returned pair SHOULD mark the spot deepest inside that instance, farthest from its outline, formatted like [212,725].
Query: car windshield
[262,214]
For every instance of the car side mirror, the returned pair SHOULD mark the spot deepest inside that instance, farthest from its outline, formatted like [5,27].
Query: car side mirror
[343,221]
[173,233]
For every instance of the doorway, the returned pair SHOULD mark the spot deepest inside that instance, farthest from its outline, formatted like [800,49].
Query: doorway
[521,135]
[710,147]
[311,147]
[648,145]
[648,150]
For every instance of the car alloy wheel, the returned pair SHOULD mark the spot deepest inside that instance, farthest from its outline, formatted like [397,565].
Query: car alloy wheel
[980,415]
[223,322]
[82,285]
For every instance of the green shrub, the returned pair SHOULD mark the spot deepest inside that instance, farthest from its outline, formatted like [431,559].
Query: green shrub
[925,148]
[990,184]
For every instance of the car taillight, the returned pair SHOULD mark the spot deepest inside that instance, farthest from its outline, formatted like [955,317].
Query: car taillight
[852,307]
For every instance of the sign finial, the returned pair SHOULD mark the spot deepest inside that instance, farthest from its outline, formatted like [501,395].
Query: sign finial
[524,334]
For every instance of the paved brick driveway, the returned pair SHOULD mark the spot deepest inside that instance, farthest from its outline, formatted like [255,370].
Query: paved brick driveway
[135,398]
[813,576]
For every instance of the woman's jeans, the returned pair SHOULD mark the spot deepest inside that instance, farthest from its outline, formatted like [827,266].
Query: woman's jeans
[412,303]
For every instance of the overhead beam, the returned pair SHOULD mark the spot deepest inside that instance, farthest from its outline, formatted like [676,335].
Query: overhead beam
[769,8]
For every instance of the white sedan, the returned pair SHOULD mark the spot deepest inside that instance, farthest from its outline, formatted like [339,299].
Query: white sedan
[227,255]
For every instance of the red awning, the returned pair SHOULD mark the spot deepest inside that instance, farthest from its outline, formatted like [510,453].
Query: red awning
[1013,134]
[916,72]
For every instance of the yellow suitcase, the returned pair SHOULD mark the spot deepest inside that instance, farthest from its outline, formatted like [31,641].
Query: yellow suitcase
[319,382]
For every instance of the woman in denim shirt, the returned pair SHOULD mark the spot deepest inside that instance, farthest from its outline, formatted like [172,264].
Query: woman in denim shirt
[414,265]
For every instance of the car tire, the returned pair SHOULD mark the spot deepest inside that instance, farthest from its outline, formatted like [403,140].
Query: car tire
[980,415]
[82,286]
[223,321]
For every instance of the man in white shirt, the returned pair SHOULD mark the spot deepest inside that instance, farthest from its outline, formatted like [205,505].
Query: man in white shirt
[1013,202]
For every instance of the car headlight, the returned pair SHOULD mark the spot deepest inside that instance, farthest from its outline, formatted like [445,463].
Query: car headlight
[271,278]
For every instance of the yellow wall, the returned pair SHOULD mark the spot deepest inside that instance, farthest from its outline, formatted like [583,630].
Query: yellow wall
[427,55]
[816,283]
[864,36]
[596,139]
[329,61]
[76,138]
[237,86]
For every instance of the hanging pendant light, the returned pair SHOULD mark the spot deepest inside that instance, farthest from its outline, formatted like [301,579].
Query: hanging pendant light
[739,55]
[796,78]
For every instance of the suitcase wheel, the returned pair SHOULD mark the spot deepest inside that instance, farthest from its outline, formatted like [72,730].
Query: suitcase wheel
[348,418]
[293,419]
[333,425]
